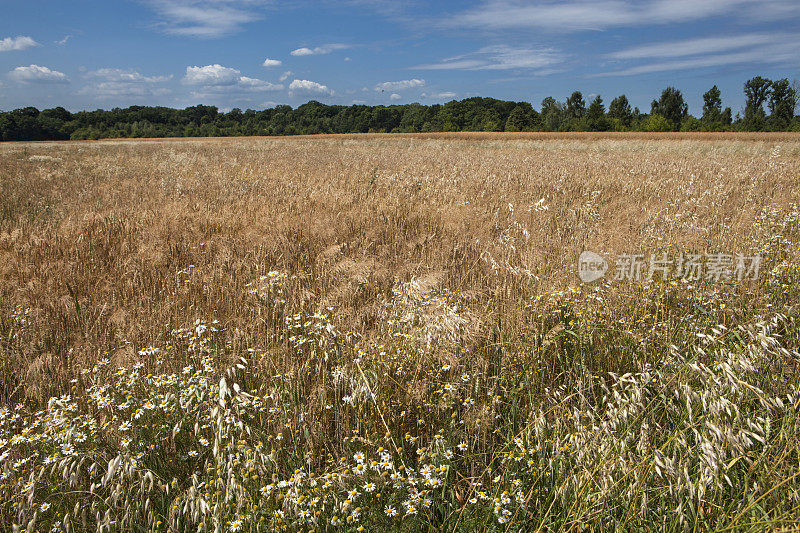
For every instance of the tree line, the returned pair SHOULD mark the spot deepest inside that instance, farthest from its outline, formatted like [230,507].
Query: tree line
[770,106]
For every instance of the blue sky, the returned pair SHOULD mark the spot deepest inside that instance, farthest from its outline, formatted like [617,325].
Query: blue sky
[259,53]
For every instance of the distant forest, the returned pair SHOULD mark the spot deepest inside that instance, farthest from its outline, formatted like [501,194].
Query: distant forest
[770,106]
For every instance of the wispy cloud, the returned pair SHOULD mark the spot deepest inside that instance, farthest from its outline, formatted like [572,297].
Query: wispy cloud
[576,15]
[308,87]
[286,75]
[705,52]
[320,50]
[399,85]
[125,75]
[211,76]
[63,41]
[117,82]
[499,57]
[21,42]
[444,95]
[209,19]
[689,47]
[37,74]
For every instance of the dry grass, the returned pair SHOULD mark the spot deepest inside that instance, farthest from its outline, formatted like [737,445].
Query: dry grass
[123,240]
[468,240]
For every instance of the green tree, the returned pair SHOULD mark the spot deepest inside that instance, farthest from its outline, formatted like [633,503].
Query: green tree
[714,118]
[671,106]
[657,123]
[596,116]
[517,120]
[620,109]
[756,91]
[576,106]
[552,114]
[712,105]
[782,102]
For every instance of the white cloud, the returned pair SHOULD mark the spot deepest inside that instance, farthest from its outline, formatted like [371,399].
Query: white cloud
[399,85]
[499,57]
[272,63]
[440,96]
[303,52]
[320,50]
[125,76]
[778,49]
[395,96]
[211,75]
[37,74]
[254,84]
[694,46]
[17,43]
[117,82]
[224,78]
[108,89]
[286,75]
[196,18]
[63,41]
[574,15]
[306,86]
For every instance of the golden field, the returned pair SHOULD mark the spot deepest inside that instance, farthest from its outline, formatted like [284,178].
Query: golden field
[388,332]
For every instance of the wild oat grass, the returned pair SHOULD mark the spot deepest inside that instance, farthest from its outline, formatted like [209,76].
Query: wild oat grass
[387,333]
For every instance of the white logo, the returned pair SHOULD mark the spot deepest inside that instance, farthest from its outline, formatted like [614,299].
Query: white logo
[717,267]
[591,267]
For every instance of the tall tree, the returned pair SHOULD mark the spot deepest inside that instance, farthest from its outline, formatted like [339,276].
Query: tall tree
[782,102]
[756,91]
[712,105]
[576,105]
[714,118]
[671,106]
[596,115]
[552,114]
[620,109]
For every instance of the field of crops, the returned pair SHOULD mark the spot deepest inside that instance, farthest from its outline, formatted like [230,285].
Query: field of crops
[388,332]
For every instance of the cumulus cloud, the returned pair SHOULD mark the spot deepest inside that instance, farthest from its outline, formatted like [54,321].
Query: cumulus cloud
[17,43]
[500,57]
[286,75]
[395,96]
[210,76]
[320,50]
[399,85]
[306,86]
[38,74]
[272,63]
